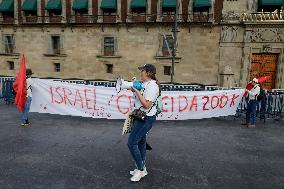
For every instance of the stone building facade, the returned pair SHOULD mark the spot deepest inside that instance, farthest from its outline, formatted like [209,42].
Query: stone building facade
[251,41]
[216,43]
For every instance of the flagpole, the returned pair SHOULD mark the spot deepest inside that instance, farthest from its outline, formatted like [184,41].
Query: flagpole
[174,42]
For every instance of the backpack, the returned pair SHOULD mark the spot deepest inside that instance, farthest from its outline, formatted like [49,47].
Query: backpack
[159,105]
[261,95]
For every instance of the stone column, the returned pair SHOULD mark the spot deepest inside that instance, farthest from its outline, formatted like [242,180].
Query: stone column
[64,11]
[118,11]
[16,11]
[149,4]
[38,7]
[159,11]
[90,7]
[251,6]
[179,18]
[128,19]
[100,12]
[212,11]
[244,76]
[20,13]
[148,11]
[190,10]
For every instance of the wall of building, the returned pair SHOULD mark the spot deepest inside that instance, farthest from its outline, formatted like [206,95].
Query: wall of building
[198,53]
[241,38]
[206,51]
[237,6]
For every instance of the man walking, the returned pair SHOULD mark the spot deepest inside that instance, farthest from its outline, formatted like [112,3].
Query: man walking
[252,101]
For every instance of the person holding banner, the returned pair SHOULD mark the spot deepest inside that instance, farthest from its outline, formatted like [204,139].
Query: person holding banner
[25,113]
[145,101]
[251,108]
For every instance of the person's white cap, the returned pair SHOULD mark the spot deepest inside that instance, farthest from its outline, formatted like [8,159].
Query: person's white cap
[255,80]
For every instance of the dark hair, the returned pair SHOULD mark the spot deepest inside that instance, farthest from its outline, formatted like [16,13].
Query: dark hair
[153,76]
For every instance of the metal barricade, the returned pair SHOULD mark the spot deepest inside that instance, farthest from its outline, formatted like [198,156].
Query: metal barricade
[6,95]
[270,107]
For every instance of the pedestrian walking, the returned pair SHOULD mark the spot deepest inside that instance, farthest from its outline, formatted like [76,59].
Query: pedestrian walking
[144,117]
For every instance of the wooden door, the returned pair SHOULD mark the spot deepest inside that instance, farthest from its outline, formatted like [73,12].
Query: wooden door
[264,65]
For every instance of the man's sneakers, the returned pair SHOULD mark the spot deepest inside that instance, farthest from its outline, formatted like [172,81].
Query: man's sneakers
[137,175]
[135,170]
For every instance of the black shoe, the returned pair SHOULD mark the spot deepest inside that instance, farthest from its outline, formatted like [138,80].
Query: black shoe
[148,147]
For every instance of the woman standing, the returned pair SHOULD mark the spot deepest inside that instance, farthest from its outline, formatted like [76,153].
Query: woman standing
[145,101]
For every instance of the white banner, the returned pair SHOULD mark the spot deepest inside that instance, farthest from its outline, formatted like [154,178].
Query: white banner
[64,98]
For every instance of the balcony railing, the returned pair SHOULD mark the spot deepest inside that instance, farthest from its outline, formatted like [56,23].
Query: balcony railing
[83,19]
[263,17]
[200,18]
[168,17]
[42,19]
[193,18]
[32,19]
[131,18]
[54,19]
[140,18]
[137,18]
[108,18]
[7,20]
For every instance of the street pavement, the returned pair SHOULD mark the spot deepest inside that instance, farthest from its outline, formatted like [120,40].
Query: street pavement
[59,152]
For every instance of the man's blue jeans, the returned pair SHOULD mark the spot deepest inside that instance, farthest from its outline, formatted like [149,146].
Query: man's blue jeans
[25,113]
[251,112]
[137,140]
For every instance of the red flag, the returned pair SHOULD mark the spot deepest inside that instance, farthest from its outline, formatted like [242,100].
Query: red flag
[260,80]
[20,86]
[263,79]
[248,87]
